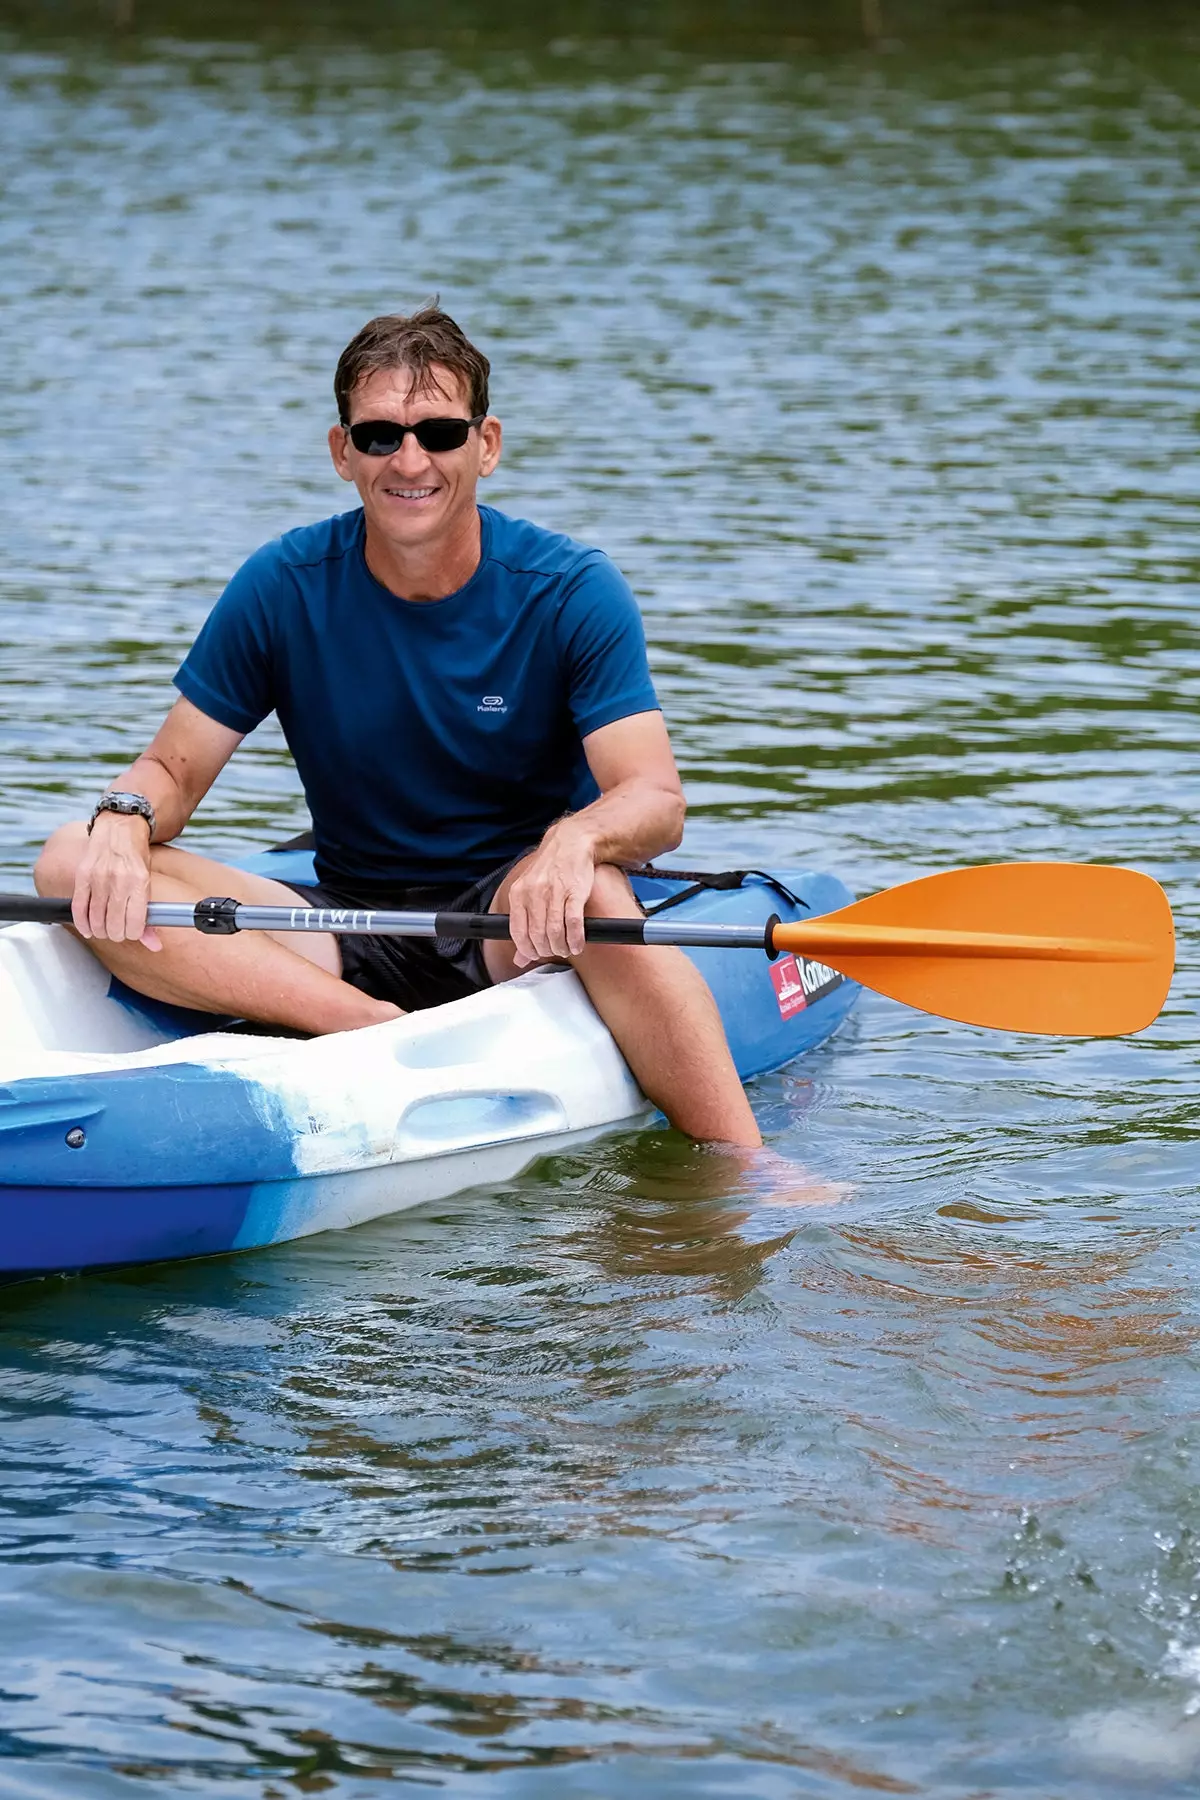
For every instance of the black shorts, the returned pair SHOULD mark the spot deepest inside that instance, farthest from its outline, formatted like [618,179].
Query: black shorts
[413,973]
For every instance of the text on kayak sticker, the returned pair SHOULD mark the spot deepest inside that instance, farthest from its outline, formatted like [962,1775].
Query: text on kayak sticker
[797,981]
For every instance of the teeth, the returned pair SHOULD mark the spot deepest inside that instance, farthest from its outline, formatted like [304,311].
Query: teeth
[411,493]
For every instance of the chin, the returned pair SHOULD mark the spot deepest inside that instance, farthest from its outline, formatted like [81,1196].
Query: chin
[409,526]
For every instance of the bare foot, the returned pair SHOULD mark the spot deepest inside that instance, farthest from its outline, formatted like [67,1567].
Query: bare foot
[775,1181]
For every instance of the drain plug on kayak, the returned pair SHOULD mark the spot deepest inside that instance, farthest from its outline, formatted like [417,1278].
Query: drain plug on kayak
[76,1138]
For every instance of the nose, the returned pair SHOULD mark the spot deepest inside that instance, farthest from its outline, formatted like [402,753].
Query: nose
[409,458]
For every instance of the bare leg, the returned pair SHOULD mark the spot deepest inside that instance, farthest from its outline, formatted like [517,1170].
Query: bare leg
[255,976]
[660,1011]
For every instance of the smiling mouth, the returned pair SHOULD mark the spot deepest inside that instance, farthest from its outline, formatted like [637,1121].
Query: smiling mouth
[422,493]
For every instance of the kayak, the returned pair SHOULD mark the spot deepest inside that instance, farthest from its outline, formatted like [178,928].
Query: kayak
[133,1132]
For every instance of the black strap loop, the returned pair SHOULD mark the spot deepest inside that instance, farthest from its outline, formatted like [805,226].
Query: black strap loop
[721,880]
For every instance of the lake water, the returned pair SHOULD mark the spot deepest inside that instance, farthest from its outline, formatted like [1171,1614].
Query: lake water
[875,367]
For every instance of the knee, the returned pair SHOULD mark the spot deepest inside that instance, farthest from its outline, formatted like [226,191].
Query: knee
[612,896]
[54,871]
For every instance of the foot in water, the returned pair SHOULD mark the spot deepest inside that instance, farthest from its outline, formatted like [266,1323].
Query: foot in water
[773,1180]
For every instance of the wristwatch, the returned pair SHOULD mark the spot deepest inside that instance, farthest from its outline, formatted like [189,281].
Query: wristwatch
[123,803]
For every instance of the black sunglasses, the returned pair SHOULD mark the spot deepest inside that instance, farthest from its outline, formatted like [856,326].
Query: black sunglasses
[383,437]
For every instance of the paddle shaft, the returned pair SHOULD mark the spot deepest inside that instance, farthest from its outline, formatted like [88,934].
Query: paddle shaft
[223,917]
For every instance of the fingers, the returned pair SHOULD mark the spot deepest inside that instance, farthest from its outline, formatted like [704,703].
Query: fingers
[542,921]
[518,928]
[545,921]
[110,904]
[527,912]
[135,912]
[114,916]
[564,923]
[81,901]
[573,932]
[531,914]
[546,901]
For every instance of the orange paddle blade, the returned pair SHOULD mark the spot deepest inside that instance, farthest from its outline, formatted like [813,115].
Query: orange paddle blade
[1066,948]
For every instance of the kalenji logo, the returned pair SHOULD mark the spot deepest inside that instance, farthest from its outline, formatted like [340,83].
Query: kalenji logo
[493,703]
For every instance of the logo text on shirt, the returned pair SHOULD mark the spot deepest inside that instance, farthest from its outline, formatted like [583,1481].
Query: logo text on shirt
[492,703]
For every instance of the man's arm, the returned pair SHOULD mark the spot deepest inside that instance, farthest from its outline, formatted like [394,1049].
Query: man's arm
[112,885]
[639,814]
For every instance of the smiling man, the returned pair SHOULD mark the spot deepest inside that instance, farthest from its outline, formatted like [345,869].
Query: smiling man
[471,713]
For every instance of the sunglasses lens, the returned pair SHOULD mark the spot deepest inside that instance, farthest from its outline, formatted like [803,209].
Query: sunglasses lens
[382,437]
[375,437]
[441,434]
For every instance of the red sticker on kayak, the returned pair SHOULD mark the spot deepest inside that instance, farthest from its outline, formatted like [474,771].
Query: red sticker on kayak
[799,981]
[789,989]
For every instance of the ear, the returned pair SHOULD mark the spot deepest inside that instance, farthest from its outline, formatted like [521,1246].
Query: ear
[339,446]
[490,435]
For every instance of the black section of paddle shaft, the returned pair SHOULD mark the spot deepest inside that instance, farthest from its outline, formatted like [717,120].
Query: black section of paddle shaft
[32,909]
[495,925]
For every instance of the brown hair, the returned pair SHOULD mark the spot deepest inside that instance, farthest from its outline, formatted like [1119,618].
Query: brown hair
[415,341]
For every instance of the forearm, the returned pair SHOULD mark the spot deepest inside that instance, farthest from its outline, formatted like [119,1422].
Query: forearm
[173,806]
[632,823]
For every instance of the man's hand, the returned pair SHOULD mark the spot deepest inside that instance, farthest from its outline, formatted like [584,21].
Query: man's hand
[638,815]
[112,885]
[112,879]
[546,901]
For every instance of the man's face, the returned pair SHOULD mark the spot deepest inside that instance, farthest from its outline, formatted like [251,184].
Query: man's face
[415,497]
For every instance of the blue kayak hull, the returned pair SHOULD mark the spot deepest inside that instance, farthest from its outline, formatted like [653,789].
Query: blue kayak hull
[193,1158]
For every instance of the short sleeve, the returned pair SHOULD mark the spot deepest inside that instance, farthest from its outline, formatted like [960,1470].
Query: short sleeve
[604,648]
[228,671]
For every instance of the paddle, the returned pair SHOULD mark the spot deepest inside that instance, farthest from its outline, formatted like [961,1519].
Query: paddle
[1096,962]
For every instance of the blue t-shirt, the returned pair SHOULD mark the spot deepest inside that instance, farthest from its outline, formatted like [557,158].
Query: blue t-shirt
[435,739]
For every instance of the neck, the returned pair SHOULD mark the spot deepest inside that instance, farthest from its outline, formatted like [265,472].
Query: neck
[425,571]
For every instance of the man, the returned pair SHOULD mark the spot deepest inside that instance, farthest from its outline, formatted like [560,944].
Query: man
[470,710]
